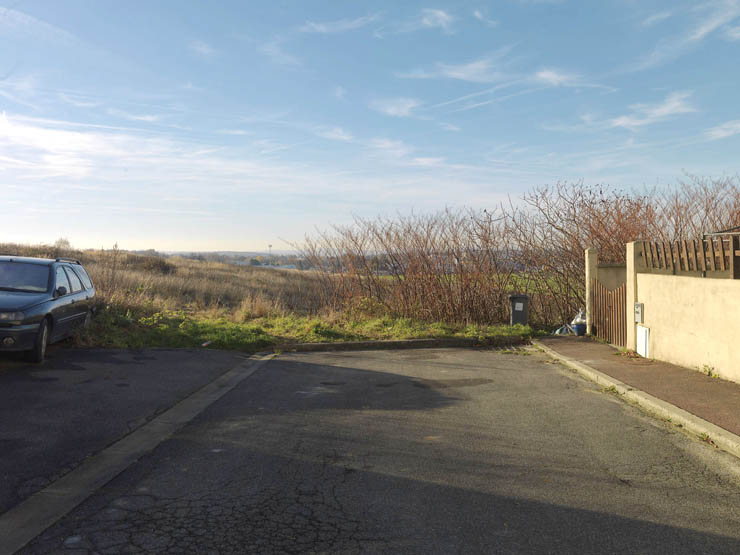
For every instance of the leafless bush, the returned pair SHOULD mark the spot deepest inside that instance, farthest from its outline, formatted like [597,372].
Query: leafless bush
[461,265]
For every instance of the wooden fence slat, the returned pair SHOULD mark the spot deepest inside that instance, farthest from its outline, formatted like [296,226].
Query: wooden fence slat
[610,314]
[617,319]
[622,313]
[714,256]
[693,255]
[669,258]
[721,246]
[711,254]
[676,256]
[646,254]
[732,256]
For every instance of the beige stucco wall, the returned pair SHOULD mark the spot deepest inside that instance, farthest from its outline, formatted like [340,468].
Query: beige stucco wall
[611,276]
[693,321]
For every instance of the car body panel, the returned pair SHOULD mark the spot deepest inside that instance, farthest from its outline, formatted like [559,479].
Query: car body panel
[23,337]
[79,300]
[11,301]
[66,312]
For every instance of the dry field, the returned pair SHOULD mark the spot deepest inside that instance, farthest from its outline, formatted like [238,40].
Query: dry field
[151,301]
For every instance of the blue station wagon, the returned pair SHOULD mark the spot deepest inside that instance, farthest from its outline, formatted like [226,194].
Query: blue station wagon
[42,301]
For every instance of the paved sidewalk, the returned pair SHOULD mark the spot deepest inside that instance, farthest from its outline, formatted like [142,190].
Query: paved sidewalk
[715,400]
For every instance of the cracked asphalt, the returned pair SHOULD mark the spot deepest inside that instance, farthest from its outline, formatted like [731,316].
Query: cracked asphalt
[55,415]
[428,451]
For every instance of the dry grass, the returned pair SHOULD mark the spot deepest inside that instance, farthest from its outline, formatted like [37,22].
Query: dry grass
[149,301]
[148,283]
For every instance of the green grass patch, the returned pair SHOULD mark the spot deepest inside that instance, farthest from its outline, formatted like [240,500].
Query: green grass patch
[118,327]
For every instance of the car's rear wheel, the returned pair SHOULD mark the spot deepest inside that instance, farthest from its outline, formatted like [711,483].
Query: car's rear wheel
[38,352]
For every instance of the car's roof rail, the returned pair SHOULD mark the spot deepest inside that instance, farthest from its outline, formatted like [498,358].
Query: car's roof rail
[70,260]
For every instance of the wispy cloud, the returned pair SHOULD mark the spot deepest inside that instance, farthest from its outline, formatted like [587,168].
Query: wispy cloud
[149,118]
[18,22]
[273,49]
[555,77]
[483,18]
[334,134]
[727,129]
[477,71]
[428,18]
[647,114]
[721,13]
[706,17]
[391,147]
[133,165]
[192,87]
[496,99]
[656,18]
[476,94]
[733,33]
[235,132]
[436,19]
[450,127]
[483,70]
[398,107]
[78,101]
[339,93]
[338,26]
[20,90]
[427,162]
[202,48]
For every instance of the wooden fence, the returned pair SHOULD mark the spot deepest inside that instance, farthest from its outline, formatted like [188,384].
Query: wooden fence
[716,257]
[610,314]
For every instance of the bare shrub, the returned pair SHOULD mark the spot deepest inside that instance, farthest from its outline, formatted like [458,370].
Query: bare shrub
[461,265]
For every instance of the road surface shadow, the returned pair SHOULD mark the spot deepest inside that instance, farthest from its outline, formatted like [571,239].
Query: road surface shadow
[280,504]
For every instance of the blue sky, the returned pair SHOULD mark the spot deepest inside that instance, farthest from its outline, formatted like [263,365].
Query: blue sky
[230,125]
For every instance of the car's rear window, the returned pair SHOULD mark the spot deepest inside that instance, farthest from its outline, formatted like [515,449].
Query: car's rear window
[24,277]
[74,281]
[80,271]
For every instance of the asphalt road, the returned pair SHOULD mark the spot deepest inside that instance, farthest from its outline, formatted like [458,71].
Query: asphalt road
[433,451]
[54,415]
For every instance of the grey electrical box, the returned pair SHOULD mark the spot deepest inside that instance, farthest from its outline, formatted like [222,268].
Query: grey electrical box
[638,313]
[519,309]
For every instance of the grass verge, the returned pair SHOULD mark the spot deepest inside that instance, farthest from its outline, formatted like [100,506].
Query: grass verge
[118,328]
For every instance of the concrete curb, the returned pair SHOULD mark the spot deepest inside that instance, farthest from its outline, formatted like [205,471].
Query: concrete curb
[720,437]
[24,522]
[452,342]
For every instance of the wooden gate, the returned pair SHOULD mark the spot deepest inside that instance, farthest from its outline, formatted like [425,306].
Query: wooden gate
[610,314]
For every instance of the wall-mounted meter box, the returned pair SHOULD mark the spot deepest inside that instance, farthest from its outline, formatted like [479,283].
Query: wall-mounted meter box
[639,309]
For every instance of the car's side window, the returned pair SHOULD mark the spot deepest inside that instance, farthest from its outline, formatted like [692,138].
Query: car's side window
[61,279]
[86,281]
[74,281]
